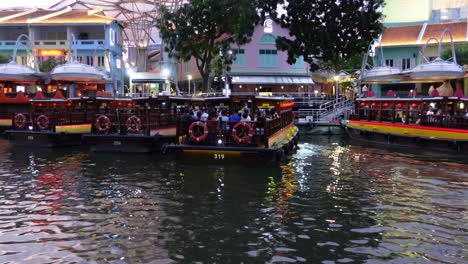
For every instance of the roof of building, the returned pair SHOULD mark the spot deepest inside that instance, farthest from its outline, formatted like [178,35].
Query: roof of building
[420,34]
[405,35]
[458,29]
[63,16]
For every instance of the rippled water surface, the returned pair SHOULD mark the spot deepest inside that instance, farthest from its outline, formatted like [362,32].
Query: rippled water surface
[332,203]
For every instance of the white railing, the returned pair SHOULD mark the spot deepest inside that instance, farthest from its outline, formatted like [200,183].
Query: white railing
[325,112]
[50,43]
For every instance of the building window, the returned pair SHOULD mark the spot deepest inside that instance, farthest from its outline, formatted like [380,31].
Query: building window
[299,63]
[187,66]
[389,62]
[267,58]
[100,60]
[268,39]
[405,64]
[90,60]
[239,58]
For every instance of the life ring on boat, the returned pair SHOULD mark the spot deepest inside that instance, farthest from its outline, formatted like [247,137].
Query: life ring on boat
[20,121]
[133,124]
[42,122]
[103,124]
[197,135]
[245,138]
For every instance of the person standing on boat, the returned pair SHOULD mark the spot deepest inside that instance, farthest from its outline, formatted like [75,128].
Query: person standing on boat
[245,117]
[391,93]
[223,119]
[234,117]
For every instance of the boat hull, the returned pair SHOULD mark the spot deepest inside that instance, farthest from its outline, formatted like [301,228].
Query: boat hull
[401,135]
[127,143]
[281,147]
[43,139]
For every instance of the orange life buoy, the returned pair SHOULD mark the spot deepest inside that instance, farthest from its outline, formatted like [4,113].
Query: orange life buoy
[20,120]
[246,138]
[103,124]
[133,124]
[42,122]
[198,136]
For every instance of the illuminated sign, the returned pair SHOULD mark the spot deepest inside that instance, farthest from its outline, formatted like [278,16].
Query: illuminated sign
[51,53]
[268,26]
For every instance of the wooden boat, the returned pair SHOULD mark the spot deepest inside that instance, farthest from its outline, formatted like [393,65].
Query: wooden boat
[133,125]
[269,137]
[8,106]
[432,123]
[53,122]
[425,122]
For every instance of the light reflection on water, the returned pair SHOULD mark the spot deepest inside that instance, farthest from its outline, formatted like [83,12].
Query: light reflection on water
[332,203]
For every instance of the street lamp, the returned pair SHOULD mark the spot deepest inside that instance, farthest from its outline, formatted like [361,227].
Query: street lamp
[189,79]
[337,85]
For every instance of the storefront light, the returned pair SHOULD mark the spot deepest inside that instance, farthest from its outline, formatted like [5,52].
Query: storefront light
[462,105]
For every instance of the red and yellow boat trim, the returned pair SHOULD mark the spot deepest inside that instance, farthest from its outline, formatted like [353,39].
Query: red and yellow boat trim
[74,129]
[283,136]
[410,130]
[6,122]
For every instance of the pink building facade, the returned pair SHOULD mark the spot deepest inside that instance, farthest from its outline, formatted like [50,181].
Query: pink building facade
[259,66]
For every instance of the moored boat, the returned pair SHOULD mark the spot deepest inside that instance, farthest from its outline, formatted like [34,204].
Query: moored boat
[52,122]
[8,106]
[263,132]
[430,123]
[435,122]
[133,125]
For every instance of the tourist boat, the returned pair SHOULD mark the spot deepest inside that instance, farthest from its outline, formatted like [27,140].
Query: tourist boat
[52,122]
[269,137]
[426,122]
[9,104]
[412,122]
[133,125]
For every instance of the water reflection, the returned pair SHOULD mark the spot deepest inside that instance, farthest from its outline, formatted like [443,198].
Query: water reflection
[332,203]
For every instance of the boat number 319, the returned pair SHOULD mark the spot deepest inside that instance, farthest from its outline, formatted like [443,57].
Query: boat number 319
[218,156]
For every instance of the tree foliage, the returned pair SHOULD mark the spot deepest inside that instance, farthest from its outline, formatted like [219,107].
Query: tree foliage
[47,65]
[461,51]
[4,58]
[205,29]
[330,32]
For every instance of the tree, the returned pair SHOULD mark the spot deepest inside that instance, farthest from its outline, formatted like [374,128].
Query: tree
[48,65]
[329,32]
[205,30]
[461,51]
[4,58]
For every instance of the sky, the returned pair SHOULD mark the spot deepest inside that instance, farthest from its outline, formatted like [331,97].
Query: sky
[26,3]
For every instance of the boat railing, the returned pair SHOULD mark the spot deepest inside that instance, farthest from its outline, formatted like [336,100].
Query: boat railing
[48,121]
[222,132]
[440,121]
[120,122]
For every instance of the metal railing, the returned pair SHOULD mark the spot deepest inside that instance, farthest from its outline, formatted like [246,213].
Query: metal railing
[326,111]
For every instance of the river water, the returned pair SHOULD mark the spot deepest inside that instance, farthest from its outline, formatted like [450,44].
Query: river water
[332,203]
